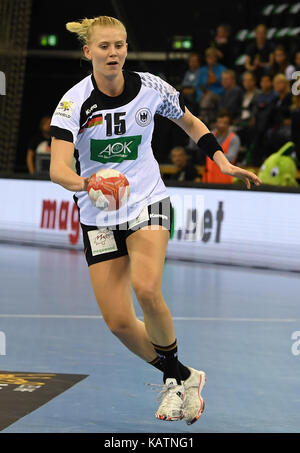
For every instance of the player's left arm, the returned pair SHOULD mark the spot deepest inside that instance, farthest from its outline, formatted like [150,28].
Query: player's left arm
[199,132]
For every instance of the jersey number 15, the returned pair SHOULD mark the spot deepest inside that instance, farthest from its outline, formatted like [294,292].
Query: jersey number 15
[114,123]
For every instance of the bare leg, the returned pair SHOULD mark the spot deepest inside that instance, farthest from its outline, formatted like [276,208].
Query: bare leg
[111,284]
[146,249]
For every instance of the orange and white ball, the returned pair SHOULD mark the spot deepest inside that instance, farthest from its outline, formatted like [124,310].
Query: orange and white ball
[108,189]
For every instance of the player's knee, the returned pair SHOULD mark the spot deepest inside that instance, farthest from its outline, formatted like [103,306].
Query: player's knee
[148,294]
[118,325]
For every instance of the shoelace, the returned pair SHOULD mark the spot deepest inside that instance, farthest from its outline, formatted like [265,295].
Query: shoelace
[164,390]
[191,386]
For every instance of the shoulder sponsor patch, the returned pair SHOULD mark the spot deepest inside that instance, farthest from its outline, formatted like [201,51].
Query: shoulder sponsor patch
[65,108]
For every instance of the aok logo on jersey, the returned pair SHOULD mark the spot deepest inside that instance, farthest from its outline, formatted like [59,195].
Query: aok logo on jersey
[115,149]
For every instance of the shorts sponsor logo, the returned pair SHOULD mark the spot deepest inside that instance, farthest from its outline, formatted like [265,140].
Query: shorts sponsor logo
[162,216]
[143,117]
[65,108]
[141,218]
[102,241]
[116,149]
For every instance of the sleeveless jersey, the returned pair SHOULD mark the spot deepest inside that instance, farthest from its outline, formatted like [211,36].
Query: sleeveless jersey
[116,132]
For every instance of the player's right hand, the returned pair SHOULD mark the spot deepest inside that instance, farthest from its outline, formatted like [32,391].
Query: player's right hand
[85,183]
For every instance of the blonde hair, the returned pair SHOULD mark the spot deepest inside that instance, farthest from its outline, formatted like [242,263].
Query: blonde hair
[211,51]
[84,27]
[284,79]
[262,26]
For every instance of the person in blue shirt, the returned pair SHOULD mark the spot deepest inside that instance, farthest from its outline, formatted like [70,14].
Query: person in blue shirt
[188,84]
[263,109]
[190,76]
[209,85]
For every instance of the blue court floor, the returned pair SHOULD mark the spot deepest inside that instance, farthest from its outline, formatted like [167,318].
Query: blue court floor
[234,323]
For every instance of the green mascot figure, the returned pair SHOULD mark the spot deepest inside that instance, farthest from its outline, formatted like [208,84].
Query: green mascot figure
[280,169]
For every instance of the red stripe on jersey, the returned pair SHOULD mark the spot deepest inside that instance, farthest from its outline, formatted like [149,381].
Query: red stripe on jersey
[93,122]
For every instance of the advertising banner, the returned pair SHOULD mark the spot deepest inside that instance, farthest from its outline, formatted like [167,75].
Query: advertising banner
[251,228]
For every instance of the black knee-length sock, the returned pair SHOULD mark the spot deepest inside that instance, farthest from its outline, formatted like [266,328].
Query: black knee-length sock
[167,361]
[183,370]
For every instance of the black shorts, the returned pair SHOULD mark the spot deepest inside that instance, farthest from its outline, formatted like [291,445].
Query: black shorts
[102,244]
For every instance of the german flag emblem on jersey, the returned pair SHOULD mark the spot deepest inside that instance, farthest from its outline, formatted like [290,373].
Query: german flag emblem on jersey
[96,121]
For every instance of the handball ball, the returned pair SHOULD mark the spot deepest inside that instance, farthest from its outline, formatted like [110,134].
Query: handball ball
[108,189]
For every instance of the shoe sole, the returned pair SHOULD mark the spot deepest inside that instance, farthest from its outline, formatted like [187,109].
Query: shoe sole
[202,403]
[168,419]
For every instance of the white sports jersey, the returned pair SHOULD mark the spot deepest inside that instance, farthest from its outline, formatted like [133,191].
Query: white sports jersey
[116,132]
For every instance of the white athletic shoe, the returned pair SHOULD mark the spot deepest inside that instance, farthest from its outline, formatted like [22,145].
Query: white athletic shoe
[193,404]
[171,406]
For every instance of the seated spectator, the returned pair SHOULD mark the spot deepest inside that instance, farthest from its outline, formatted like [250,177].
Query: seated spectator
[297,61]
[280,130]
[188,85]
[230,143]
[295,121]
[186,171]
[222,42]
[281,63]
[245,123]
[38,150]
[283,104]
[231,99]
[259,53]
[209,86]
[262,115]
[249,96]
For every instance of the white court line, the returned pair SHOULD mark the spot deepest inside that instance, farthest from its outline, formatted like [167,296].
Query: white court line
[175,318]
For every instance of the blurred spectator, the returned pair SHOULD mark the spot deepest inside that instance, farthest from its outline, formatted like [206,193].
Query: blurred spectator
[249,97]
[38,150]
[186,171]
[297,61]
[281,64]
[230,143]
[295,121]
[246,121]
[259,54]
[280,131]
[188,85]
[282,107]
[228,139]
[231,99]
[222,42]
[209,86]
[262,113]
